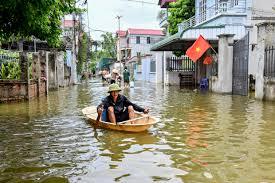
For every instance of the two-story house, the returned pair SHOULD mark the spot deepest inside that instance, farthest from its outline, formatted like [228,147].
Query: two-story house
[134,51]
[216,20]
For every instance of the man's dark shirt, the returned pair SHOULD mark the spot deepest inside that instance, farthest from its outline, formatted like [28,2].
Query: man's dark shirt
[120,106]
[126,76]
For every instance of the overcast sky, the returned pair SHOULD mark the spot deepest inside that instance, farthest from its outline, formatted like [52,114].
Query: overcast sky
[102,15]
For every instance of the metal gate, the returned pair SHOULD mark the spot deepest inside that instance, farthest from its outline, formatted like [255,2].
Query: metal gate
[240,66]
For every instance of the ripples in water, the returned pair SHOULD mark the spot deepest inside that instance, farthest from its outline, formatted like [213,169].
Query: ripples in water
[200,137]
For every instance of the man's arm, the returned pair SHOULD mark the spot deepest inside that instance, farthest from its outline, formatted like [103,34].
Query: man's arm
[103,104]
[135,106]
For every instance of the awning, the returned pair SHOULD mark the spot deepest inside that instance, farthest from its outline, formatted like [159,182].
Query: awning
[172,43]
[181,41]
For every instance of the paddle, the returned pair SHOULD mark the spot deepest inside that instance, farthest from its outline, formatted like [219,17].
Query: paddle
[98,115]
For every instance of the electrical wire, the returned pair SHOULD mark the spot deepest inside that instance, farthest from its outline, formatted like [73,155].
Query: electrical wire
[142,2]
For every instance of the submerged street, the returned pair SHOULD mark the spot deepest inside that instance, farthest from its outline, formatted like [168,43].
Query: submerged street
[200,137]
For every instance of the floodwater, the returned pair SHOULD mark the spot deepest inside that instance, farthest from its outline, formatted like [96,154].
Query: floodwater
[200,137]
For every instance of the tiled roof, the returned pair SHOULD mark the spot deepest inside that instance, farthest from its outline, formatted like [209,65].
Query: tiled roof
[69,23]
[145,32]
[121,33]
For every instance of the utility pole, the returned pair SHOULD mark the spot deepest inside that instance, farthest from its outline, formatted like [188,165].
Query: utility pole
[73,68]
[88,41]
[118,18]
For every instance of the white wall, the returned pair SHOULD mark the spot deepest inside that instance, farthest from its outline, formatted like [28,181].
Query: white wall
[159,76]
[227,20]
[146,75]
[223,83]
[173,78]
[263,8]
[211,34]
[143,47]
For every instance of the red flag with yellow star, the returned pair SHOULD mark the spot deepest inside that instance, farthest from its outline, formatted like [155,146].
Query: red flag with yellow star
[208,60]
[198,49]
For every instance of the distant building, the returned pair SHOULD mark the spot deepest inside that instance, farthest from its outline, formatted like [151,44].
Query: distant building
[134,48]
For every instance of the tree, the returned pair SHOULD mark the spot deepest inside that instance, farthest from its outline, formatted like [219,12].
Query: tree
[82,53]
[103,49]
[178,12]
[109,45]
[40,18]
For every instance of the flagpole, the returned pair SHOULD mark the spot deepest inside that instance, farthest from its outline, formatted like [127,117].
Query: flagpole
[214,50]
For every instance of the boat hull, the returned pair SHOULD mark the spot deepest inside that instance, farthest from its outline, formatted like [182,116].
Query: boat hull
[140,123]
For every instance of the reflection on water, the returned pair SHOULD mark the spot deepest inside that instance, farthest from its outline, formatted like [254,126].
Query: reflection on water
[201,137]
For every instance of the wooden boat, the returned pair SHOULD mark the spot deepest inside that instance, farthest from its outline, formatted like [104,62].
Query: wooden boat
[140,123]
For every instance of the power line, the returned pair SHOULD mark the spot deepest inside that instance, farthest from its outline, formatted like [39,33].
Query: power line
[100,30]
[140,1]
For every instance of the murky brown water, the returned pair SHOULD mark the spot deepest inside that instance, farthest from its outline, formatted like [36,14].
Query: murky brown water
[201,137]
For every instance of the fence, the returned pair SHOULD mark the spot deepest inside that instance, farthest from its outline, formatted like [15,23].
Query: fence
[269,62]
[180,64]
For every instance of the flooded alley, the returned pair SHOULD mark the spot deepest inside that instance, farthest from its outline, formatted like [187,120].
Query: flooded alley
[200,137]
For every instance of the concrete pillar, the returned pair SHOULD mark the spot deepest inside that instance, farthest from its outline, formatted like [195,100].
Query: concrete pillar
[24,66]
[52,71]
[166,73]
[159,67]
[259,83]
[73,69]
[43,69]
[37,71]
[223,83]
[265,37]
[47,72]
[60,68]
[34,65]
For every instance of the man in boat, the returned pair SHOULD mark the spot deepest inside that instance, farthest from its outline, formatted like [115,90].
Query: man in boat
[116,107]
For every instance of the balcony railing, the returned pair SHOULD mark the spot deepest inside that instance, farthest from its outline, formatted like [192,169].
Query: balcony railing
[180,64]
[209,13]
[163,22]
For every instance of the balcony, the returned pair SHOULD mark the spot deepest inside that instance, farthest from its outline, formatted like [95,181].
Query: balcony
[211,12]
[163,22]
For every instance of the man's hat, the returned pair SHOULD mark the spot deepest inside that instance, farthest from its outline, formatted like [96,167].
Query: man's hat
[114,87]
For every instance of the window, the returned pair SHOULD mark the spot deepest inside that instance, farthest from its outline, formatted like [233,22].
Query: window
[217,6]
[138,39]
[152,66]
[234,3]
[202,10]
[148,40]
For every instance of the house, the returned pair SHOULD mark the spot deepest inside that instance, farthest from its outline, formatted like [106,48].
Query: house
[134,51]
[70,36]
[230,27]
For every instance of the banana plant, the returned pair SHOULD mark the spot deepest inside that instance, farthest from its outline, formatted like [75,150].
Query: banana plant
[3,72]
